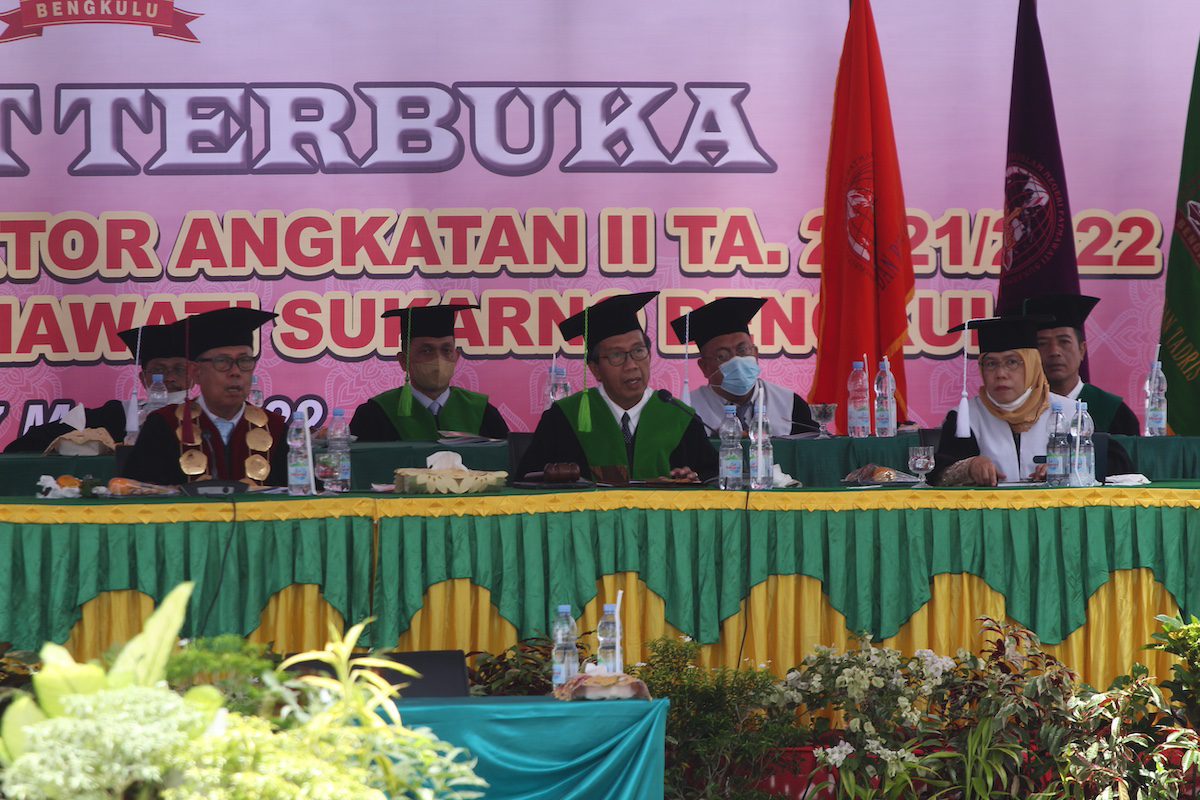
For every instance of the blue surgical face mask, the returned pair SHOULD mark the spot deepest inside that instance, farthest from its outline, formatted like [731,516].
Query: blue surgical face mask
[739,375]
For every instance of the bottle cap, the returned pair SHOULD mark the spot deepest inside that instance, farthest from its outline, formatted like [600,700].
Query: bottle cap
[1082,405]
[564,609]
[158,378]
[559,372]
[339,412]
[856,365]
[1056,407]
[298,417]
[731,410]
[610,608]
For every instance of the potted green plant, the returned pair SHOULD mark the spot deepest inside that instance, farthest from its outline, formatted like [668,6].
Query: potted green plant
[121,732]
[724,726]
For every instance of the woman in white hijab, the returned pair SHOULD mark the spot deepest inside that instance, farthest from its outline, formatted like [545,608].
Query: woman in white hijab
[1009,420]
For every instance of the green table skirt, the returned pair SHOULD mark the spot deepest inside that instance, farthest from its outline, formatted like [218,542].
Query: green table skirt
[48,571]
[875,565]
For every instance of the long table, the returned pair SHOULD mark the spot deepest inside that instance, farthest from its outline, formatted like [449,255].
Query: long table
[762,576]
[818,463]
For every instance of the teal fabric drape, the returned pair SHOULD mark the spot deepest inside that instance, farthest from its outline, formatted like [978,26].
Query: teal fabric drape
[537,748]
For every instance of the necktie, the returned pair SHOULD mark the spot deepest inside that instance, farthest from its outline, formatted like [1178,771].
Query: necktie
[627,432]
[434,408]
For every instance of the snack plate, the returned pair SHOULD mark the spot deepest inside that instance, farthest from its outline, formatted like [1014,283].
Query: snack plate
[882,484]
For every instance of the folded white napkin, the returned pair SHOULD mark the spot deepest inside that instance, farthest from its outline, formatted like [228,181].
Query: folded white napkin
[1132,479]
[444,459]
[781,480]
[76,417]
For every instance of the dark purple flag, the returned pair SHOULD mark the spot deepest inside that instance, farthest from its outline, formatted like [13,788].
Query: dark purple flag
[1039,239]
[1039,236]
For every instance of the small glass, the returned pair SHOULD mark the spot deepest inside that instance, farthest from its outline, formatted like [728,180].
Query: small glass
[920,461]
[823,413]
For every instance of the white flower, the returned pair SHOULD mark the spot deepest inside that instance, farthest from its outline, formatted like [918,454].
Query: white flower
[834,756]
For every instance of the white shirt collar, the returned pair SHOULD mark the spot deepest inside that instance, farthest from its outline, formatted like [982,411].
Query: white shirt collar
[1074,393]
[634,413]
[427,401]
[224,426]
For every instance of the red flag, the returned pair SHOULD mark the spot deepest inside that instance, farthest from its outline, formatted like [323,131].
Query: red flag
[866,270]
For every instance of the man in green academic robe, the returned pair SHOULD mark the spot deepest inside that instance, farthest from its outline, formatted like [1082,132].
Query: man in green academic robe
[1063,346]
[429,357]
[623,428]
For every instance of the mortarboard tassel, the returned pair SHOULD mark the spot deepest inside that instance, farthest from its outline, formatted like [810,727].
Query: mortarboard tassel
[583,422]
[406,396]
[687,337]
[962,426]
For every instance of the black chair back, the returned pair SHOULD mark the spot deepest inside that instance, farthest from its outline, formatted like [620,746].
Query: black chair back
[518,443]
[443,672]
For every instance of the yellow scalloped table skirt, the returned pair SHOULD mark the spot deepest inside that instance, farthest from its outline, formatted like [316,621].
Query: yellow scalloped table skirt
[783,619]
[295,619]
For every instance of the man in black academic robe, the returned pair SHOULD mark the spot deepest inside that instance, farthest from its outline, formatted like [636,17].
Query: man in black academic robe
[1063,347]
[623,429]
[427,403]
[218,435]
[158,350]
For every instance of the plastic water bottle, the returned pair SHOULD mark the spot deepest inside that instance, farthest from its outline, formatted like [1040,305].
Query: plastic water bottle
[608,654]
[885,400]
[762,454]
[337,439]
[298,469]
[557,388]
[565,656]
[1058,449]
[858,409]
[1156,402]
[156,398]
[255,396]
[730,476]
[1083,453]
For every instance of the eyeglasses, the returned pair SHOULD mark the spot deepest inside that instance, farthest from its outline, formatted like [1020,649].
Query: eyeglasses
[225,363]
[617,357]
[447,352]
[742,350]
[997,364]
[178,371]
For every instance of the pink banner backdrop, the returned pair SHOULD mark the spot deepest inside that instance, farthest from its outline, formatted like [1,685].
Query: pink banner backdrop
[530,156]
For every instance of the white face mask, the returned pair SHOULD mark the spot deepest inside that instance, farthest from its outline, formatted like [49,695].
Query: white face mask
[175,398]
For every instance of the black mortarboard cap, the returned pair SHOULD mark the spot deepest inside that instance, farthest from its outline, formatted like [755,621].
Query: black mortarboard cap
[721,316]
[610,317]
[435,322]
[1063,310]
[997,334]
[157,341]
[225,327]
